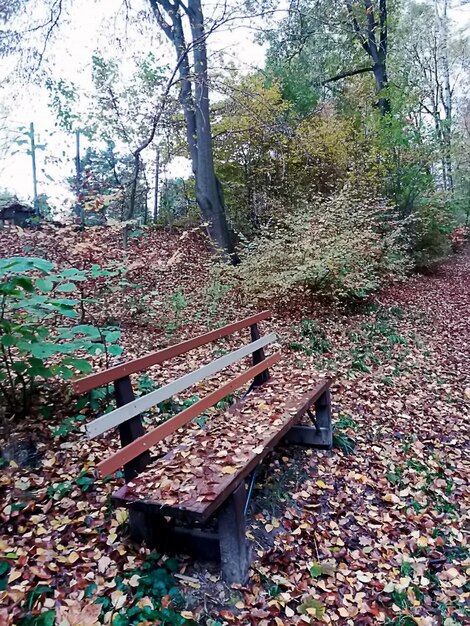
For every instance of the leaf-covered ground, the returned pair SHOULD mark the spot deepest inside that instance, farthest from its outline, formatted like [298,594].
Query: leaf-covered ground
[374,532]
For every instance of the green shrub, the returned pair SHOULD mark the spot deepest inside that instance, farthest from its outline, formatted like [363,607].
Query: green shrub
[313,339]
[38,339]
[339,247]
[430,229]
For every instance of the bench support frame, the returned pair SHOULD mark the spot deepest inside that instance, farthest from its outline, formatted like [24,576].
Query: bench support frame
[130,430]
[320,433]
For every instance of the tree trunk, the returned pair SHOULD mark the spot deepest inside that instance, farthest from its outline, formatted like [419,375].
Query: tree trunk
[381,84]
[209,193]
[374,40]
[157,185]
[133,194]
[441,8]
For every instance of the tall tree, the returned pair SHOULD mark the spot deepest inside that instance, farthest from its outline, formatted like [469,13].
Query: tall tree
[322,37]
[442,18]
[194,99]
[432,64]
[369,20]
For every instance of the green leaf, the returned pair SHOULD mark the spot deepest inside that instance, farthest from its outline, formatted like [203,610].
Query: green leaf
[115,350]
[82,365]
[88,330]
[8,340]
[321,569]
[44,350]
[19,367]
[25,283]
[113,336]
[66,287]
[44,284]
[38,369]
[95,349]
[24,264]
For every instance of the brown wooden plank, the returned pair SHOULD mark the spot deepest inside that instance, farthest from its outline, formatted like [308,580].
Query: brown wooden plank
[151,438]
[154,358]
[198,511]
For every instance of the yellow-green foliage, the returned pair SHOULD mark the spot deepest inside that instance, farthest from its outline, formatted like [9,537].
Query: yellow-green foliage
[268,161]
[430,228]
[341,247]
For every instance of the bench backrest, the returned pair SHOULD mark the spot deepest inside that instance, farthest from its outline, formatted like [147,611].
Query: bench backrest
[134,455]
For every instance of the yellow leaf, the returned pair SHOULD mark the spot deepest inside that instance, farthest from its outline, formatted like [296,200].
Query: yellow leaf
[392,498]
[122,515]
[187,614]
[73,557]
[118,599]
[14,575]
[229,469]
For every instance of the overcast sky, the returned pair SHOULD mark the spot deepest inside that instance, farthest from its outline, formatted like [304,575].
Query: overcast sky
[89,26]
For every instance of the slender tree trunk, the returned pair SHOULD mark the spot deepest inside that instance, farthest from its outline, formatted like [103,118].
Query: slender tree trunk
[441,8]
[33,162]
[133,194]
[209,193]
[157,185]
[374,40]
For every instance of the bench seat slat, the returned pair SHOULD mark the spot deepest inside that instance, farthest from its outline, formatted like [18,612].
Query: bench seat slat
[140,445]
[120,415]
[159,356]
[204,486]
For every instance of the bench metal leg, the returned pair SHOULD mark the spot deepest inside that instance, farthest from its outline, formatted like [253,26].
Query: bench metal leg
[145,527]
[166,537]
[320,435]
[234,547]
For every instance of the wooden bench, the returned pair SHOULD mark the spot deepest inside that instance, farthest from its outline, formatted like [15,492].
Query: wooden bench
[193,496]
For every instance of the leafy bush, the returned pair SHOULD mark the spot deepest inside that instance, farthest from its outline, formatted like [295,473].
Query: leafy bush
[343,247]
[459,236]
[35,300]
[430,228]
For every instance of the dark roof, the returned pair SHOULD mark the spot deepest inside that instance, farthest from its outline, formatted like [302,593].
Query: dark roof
[15,207]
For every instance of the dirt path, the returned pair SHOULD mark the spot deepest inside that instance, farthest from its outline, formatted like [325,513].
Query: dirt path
[387,542]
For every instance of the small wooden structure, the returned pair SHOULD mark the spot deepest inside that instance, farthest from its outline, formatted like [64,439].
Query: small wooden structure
[15,213]
[199,482]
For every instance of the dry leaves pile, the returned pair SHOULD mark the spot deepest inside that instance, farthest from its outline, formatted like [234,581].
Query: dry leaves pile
[377,534]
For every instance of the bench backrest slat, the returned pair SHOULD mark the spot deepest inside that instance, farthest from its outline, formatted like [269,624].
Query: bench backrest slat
[120,415]
[142,444]
[154,358]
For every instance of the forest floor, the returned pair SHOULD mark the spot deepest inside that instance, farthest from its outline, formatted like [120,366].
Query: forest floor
[373,532]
